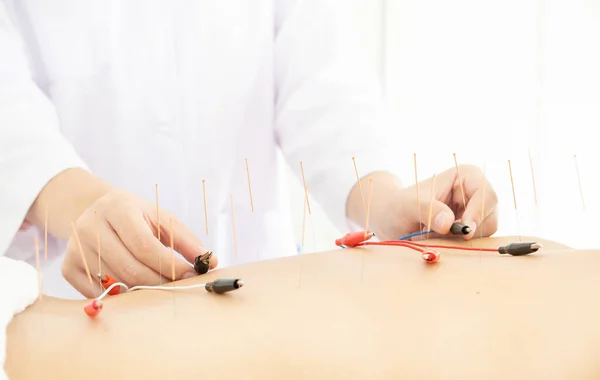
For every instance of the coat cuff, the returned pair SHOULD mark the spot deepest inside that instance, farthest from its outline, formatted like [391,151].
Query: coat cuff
[24,175]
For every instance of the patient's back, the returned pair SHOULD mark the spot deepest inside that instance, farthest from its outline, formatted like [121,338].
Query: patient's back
[376,312]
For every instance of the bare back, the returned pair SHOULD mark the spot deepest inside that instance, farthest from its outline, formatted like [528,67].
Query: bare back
[376,312]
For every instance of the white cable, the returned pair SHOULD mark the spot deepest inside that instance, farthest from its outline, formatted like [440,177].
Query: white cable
[128,289]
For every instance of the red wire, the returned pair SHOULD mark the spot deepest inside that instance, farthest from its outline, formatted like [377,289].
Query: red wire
[415,246]
[360,238]
[399,243]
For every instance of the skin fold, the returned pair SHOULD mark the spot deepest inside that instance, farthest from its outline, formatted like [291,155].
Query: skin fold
[369,312]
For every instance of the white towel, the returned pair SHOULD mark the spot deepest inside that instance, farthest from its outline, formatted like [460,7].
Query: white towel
[20,283]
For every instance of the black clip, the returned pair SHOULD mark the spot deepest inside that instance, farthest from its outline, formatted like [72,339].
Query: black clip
[458,228]
[202,263]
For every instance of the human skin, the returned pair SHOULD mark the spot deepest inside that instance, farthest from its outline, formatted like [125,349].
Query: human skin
[395,210]
[80,207]
[369,312]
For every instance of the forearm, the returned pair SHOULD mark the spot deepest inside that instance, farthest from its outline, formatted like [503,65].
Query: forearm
[384,188]
[64,198]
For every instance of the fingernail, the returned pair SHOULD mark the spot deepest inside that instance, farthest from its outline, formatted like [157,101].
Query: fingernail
[442,221]
[189,275]
[472,225]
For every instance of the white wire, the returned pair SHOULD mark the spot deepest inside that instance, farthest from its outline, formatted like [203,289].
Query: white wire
[128,289]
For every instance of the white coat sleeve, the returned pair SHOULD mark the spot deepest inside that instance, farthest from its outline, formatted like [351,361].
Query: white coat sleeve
[328,102]
[32,149]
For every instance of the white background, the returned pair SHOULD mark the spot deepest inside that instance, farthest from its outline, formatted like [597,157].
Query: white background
[491,81]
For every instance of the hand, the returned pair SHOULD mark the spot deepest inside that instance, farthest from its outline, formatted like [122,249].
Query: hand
[410,216]
[129,249]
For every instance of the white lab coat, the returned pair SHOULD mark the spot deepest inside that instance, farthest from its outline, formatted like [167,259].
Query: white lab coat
[174,92]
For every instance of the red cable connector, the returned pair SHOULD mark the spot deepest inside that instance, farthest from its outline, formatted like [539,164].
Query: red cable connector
[431,256]
[107,281]
[354,239]
[93,308]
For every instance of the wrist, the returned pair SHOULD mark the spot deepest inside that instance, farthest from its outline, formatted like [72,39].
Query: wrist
[64,198]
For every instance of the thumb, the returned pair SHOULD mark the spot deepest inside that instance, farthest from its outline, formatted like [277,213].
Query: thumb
[437,216]
[184,240]
[482,203]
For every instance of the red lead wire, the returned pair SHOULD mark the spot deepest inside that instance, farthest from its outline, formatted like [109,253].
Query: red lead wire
[430,255]
[406,243]
[354,239]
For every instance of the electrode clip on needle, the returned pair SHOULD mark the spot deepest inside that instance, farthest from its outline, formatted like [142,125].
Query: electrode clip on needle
[460,229]
[202,263]
[519,249]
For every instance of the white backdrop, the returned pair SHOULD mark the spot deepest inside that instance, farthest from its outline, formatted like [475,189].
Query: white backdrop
[492,81]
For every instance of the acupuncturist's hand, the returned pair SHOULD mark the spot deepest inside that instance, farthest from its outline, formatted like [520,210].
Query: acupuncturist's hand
[448,206]
[395,211]
[129,248]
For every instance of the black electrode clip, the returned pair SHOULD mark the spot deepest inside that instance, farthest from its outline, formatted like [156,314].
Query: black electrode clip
[519,249]
[202,263]
[223,285]
[459,229]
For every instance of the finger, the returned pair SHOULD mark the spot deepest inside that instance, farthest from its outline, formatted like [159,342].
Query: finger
[472,180]
[78,279]
[433,235]
[129,268]
[73,270]
[96,289]
[99,272]
[91,254]
[488,227]
[185,242]
[438,214]
[74,265]
[481,204]
[107,271]
[138,238]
